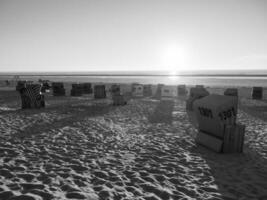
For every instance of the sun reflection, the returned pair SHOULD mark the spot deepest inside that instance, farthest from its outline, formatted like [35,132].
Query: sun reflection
[173,75]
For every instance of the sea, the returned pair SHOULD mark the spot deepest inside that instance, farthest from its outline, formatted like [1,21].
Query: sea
[240,78]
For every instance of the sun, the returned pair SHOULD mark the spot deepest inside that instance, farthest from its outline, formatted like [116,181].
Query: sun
[173,58]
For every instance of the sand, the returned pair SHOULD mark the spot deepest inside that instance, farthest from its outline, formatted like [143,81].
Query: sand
[80,148]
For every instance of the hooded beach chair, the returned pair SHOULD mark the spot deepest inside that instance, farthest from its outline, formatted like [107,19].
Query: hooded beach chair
[58,89]
[147,92]
[100,91]
[218,130]
[31,96]
[87,88]
[257,93]
[231,92]
[76,90]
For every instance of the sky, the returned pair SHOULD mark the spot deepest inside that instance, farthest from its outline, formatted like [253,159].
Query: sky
[93,35]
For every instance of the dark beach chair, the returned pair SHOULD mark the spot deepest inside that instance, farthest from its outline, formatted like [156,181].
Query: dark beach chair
[231,92]
[147,90]
[31,96]
[58,89]
[257,93]
[87,88]
[100,92]
[76,90]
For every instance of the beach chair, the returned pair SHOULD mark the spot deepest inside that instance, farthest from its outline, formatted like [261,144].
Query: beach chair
[181,90]
[87,88]
[147,92]
[58,89]
[158,91]
[31,96]
[257,93]
[99,92]
[167,93]
[218,130]
[115,89]
[231,92]
[77,90]
[137,90]
[245,92]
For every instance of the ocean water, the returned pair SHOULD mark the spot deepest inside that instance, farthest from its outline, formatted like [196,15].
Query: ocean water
[224,78]
[224,81]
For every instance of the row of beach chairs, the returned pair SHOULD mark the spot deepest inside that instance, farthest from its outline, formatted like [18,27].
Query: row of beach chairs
[163,92]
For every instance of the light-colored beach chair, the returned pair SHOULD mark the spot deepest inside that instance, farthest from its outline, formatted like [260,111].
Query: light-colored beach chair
[216,116]
[137,90]
[167,92]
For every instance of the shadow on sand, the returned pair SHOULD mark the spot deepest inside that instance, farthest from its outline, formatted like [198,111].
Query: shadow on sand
[74,114]
[162,113]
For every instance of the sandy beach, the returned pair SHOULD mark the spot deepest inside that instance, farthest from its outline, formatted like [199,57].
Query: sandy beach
[81,148]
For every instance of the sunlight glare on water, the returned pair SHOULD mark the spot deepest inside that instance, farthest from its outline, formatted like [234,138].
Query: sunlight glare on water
[173,76]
